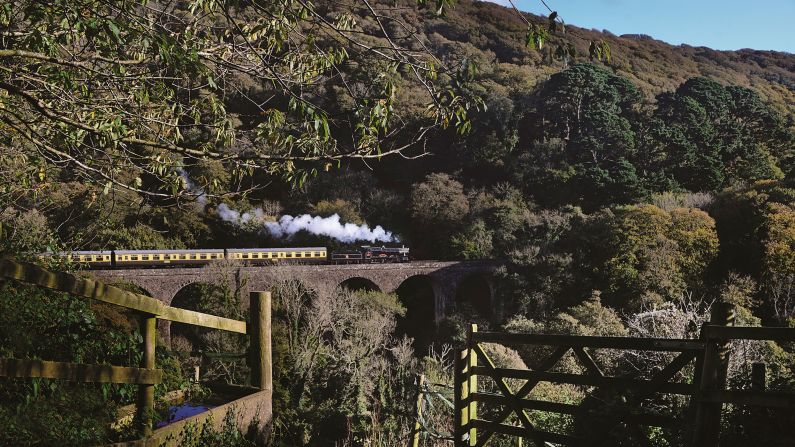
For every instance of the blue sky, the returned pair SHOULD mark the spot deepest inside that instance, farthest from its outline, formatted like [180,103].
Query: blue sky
[723,25]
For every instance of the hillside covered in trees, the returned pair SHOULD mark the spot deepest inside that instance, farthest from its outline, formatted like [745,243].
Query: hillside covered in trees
[495,34]
[624,195]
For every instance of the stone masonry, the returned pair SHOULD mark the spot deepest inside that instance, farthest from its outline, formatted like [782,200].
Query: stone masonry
[164,283]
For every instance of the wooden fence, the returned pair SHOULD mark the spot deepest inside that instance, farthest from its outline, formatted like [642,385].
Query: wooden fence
[708,356]
[150,309]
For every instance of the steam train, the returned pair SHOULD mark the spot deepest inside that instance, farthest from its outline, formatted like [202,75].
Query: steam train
[249,256]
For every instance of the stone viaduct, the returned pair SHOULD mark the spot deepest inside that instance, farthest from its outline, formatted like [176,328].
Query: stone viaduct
[446,279]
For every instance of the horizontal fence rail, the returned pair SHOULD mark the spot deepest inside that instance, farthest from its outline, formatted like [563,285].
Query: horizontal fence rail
[480,414]
[750,333]
[78,372]
[581,341]
[95,290]
[752,398]
[580,379]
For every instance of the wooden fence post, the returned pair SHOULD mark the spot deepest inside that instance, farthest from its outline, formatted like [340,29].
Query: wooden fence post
[260,341]
[415,439]
[459,388]
[713,376]
[146,393]
[472,384]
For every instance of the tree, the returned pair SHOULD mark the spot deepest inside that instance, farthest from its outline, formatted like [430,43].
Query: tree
[741,217]
[779,260]
[590,109]
[706,136]
[125,93]
[338,365]
[343,208]
[439,207]
[641,253]
[139,237]
[473,243]
[696,240]
[439,200]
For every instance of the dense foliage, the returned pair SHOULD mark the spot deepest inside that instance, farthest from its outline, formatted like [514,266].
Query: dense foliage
[624,196]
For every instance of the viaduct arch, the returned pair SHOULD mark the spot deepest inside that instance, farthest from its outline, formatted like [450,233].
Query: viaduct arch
[446,278]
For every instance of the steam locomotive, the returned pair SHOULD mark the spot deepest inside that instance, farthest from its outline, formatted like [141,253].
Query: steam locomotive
[249,256]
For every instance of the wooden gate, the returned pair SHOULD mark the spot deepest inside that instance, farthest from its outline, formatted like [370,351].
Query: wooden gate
[699,422]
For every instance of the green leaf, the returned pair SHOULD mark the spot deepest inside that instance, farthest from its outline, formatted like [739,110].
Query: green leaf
[115,30]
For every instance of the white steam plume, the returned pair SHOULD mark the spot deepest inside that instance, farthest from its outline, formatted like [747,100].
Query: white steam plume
[287,226]
[328,226]
[238,218]
[192,187]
